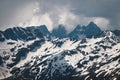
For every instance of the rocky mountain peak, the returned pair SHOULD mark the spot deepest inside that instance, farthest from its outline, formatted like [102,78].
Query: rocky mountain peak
[59,32]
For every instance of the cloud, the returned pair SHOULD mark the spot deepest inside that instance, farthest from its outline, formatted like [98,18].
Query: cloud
[67,19]
[105,13]
[102,22]
[12,12]
[39,20]
[107,10]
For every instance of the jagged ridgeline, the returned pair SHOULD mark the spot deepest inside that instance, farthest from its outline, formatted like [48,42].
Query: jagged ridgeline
[35,53]
[33,32]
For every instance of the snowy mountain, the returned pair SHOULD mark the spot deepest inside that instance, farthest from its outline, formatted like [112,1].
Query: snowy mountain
[27,54]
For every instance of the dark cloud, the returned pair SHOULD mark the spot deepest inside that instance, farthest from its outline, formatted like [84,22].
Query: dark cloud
[106,13]
[109,9]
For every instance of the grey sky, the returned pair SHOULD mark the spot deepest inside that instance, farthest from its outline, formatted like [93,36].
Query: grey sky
[105,13]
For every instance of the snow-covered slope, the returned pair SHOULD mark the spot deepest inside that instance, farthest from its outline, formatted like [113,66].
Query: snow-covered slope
[62,59]
[33,53]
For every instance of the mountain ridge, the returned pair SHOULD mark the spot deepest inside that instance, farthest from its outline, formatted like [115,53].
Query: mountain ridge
[32,53]
[32,32]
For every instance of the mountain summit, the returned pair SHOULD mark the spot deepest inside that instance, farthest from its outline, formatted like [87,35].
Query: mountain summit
[88,31]
[92,30]
[44,31]
[77,33]
[59,32]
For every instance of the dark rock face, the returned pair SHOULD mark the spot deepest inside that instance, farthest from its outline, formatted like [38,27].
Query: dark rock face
[92,30]
[10,34]
[38,33]
[81,32]
[22,53]
[35,44]
[1,61]
[116,32]
[77,32]
[45,31]
[19,33]
[59,32]
[2,39]
[30,33]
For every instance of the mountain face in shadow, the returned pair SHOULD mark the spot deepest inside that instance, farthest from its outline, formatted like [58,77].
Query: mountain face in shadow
[33,32]
[59,32]
[45,31]
[88,31]
[19,33]
[92,30]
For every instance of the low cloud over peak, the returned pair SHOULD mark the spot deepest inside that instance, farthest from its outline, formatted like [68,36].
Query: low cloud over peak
[105,13]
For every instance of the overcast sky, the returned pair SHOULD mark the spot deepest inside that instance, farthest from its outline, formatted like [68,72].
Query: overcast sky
[105,13]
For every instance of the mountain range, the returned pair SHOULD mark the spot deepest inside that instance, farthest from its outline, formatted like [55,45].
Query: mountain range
[29,33]
[35,53]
